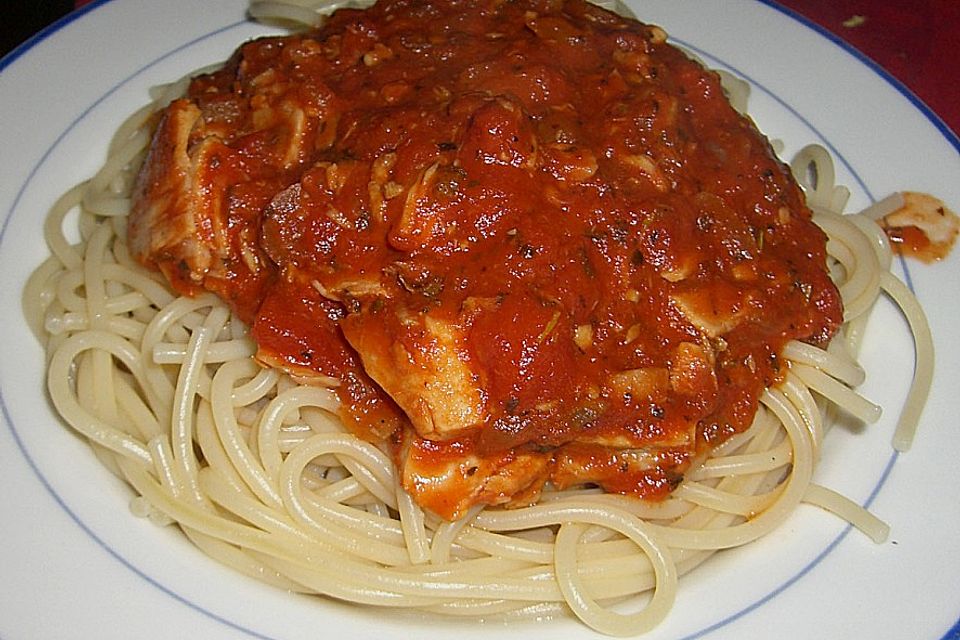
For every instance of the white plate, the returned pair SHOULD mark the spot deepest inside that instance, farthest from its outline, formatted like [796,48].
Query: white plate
[74,563]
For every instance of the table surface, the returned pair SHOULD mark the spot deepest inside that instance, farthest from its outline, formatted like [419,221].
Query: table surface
[914,41]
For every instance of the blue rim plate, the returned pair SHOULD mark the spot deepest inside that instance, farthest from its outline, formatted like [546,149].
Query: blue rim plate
[77,563]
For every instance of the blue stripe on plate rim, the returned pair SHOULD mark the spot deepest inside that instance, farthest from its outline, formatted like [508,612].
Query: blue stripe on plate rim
[952,634]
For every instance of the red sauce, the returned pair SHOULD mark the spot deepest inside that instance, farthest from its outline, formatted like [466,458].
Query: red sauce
[913,241]
[533,239]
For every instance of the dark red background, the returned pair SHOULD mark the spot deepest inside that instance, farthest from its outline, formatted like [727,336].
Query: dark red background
[916,41]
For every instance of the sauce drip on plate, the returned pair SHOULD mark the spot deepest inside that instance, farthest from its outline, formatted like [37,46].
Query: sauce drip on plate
[923,228]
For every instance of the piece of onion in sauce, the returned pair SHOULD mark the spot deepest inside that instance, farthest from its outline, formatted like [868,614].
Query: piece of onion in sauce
[923,227]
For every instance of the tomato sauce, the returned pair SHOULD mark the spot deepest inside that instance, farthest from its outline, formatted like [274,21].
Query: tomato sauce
[532,238]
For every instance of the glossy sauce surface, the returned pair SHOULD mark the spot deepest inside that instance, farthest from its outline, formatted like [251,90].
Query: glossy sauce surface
[532,239]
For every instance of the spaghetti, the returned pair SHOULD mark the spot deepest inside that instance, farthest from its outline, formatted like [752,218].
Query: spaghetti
[257,470]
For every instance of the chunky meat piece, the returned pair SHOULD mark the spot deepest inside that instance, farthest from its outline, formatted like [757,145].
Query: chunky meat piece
[166,225]
[425,366]
[450,476]
[530,240]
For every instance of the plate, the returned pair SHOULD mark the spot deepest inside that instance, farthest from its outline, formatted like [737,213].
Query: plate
[76,563]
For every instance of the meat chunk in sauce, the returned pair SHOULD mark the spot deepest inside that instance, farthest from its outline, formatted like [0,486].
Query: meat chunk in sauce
[531,240]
